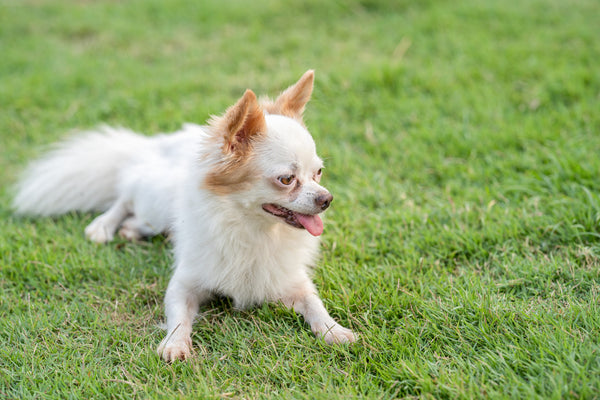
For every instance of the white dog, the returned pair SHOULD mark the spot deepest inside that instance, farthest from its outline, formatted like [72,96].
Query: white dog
[240,196]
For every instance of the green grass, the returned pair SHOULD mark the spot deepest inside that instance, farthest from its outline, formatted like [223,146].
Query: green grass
[461,142]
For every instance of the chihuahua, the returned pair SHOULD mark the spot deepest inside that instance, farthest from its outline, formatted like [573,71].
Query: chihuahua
[240,196]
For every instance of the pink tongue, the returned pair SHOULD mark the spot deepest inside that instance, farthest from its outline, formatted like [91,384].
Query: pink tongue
[312,223]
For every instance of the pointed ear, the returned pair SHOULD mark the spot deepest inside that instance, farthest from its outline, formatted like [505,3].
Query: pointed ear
[241,124]
[292,101]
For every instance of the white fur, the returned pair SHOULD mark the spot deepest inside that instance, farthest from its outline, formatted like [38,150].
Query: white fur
[224,243]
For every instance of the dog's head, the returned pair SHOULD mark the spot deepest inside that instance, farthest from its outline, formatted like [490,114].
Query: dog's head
[268,161]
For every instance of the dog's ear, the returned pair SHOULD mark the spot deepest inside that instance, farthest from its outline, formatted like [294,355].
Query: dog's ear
[241,123]
[292,101]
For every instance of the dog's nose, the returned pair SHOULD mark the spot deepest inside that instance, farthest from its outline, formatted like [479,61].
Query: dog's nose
[324,200]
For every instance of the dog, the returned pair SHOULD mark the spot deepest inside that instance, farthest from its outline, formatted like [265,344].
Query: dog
[241,198]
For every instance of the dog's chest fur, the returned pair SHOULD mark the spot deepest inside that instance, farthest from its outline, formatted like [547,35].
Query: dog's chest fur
[231,254]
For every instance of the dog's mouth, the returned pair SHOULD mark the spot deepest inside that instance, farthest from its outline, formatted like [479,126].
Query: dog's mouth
[312,223]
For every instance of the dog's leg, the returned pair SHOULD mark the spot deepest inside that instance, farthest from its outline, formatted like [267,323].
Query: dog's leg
[102,229]
[181,306]
[305,301]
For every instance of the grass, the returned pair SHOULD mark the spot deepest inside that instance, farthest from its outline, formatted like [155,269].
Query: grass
[461,143]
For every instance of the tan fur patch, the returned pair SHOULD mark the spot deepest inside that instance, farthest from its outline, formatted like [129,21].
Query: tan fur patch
[237,130]
[231,176]
[240,125]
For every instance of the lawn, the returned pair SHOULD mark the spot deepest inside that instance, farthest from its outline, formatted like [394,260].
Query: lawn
[461,142]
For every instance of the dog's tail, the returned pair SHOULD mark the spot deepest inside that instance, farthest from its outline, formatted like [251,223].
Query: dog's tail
[80,174]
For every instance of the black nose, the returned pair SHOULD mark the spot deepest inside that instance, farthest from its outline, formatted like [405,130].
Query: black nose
[323,201]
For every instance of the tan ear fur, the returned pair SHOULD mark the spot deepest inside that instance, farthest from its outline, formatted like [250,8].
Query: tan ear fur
[240,124]
[292,101]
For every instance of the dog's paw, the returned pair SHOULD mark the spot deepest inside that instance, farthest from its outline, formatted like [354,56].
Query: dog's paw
[335,334]
[130,234]
[171,349]
[98,232]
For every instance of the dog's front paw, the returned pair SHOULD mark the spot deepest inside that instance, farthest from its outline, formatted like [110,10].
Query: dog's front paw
[334,334]
[171,349]
[98,232]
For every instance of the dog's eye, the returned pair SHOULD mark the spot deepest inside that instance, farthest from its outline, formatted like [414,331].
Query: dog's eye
[287,180]
[317,176]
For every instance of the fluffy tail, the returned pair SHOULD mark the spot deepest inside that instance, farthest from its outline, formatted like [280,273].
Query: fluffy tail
[80,174]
